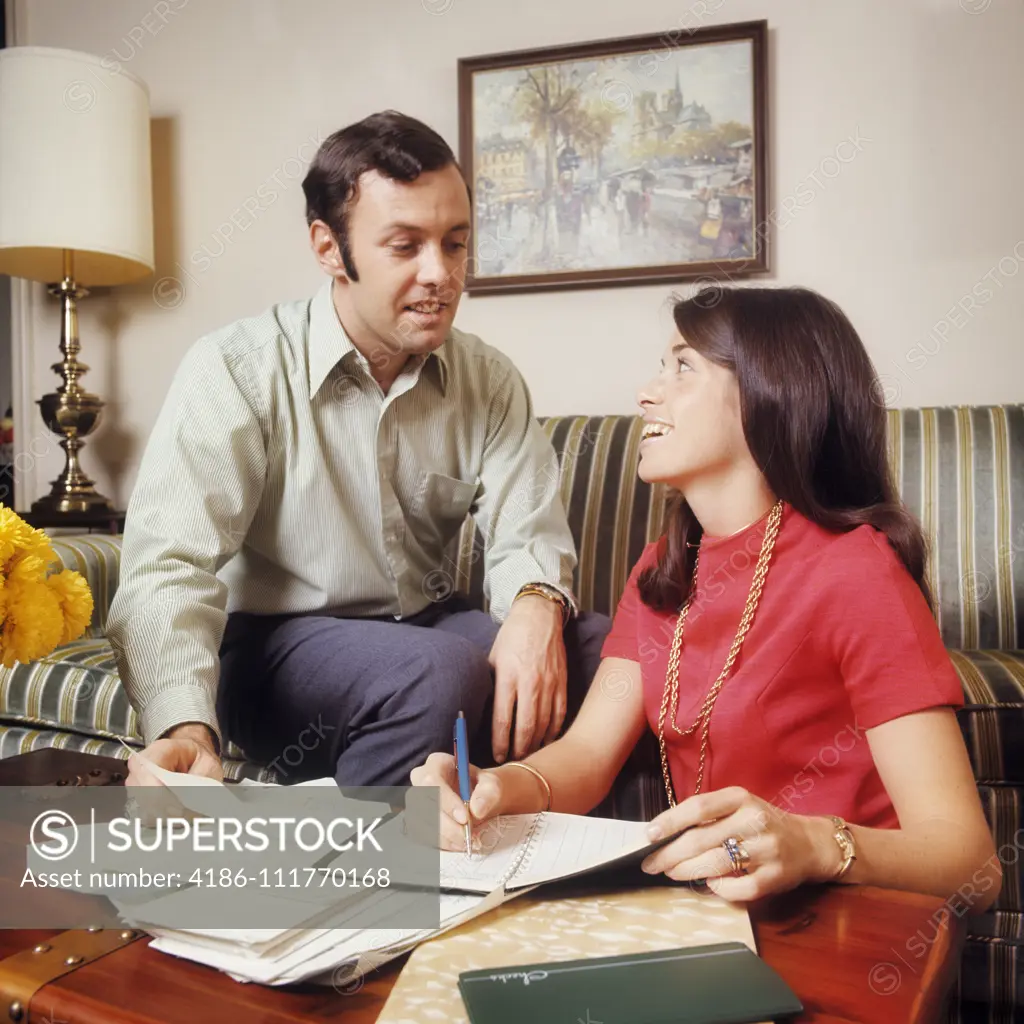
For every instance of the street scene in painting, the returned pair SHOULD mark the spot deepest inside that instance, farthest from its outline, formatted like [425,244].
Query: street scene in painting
[630,161]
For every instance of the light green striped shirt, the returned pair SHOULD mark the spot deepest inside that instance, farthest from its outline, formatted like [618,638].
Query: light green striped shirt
[280,479]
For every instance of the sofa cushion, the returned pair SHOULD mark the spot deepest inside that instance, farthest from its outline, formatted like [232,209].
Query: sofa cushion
[990,986]
[77,688]
[992,719]
[1002,806]
[960,470]
[17,739]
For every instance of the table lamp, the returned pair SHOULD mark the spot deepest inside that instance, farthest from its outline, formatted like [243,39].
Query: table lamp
[76,210]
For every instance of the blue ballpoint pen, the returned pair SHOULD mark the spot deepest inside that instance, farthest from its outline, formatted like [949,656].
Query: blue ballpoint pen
[462,761]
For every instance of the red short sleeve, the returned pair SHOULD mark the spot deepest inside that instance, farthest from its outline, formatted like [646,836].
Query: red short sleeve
[888,646]
[622,641]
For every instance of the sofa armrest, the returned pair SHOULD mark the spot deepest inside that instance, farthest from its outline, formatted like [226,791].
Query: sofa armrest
[97,557]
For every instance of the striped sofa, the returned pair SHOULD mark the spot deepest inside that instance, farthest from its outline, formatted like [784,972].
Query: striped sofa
[960,470]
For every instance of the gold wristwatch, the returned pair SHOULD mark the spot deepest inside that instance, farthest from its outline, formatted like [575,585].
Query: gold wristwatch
[844,839]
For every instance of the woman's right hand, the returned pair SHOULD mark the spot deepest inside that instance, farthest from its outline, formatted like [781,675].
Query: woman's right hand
[485,803]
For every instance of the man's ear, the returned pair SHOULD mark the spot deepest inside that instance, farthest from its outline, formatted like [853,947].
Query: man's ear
[325,248]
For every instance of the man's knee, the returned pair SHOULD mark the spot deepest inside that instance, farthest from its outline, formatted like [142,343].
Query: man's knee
[427,685]
[456,677]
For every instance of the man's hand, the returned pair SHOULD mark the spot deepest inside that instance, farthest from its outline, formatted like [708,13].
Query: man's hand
[188,748]
[528,658]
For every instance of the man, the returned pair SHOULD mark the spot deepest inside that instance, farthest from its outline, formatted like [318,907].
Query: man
[309,466]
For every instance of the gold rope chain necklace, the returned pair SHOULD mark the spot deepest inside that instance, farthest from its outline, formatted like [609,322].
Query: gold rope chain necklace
[671,693]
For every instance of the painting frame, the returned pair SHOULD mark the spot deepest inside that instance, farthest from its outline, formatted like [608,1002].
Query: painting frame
[749,259]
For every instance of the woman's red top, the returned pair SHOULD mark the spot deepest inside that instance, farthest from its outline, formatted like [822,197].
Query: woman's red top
[843,640]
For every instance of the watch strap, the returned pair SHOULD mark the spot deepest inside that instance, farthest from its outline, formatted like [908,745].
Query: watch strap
[844,840]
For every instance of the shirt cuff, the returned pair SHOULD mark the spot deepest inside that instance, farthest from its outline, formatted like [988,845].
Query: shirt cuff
[505,579]
[176,706]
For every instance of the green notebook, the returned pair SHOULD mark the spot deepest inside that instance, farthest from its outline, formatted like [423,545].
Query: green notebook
[721,984]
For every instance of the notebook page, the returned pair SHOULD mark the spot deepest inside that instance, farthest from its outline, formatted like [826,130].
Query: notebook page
[503,844]
[570,844]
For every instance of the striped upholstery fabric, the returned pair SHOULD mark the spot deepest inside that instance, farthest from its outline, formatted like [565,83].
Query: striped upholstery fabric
[960,470]
[16,739]
[98,558]
[992,718]
[75,688]
[990,987]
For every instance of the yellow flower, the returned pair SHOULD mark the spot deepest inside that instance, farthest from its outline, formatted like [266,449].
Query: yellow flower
[34,623]
[17,536]
[26,568]
[75,601]
[37,611]
[10,527]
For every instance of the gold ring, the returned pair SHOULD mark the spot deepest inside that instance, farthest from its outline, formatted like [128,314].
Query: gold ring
[738,854]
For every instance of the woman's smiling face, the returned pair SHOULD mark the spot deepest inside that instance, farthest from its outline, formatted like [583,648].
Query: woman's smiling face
[693,427]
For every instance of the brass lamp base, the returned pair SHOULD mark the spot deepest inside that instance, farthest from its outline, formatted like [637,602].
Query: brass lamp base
[72,492]
[54,504]
[71,412]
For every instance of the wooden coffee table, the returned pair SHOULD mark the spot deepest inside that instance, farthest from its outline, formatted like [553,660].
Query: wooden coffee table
[851,953]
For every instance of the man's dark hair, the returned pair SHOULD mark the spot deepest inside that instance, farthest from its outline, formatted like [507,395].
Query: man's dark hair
[395,145]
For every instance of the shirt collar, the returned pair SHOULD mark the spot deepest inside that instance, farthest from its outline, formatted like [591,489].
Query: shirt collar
[329,344]
[439,357]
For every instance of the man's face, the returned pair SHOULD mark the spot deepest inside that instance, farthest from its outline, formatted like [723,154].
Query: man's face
[409,243]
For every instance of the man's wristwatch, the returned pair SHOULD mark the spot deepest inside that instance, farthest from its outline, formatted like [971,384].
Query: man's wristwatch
[844,839]
[551,593]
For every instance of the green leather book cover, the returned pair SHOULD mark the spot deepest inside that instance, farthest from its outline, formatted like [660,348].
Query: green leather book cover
[721,984]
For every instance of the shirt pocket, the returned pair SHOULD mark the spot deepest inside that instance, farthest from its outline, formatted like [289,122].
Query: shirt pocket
[442,504]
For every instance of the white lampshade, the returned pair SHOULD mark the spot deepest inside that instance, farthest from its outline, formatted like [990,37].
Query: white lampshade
[74,168]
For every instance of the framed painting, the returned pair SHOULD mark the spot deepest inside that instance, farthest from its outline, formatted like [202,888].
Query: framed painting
[627,161]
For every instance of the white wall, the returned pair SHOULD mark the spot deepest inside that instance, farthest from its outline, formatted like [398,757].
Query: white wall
[929,209]
[5,344]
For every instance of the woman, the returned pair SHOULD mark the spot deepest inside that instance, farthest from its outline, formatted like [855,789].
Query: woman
[778,639]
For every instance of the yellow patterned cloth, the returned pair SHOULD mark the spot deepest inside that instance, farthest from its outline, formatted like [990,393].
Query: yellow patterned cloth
[532,929]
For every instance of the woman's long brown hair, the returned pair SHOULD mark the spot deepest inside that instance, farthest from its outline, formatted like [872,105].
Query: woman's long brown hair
[813,419]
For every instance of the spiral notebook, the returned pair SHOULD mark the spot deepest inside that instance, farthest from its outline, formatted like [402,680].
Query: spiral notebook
[519,851]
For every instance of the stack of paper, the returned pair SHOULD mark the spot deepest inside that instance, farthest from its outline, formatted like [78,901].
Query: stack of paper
[317,941]
[281,957]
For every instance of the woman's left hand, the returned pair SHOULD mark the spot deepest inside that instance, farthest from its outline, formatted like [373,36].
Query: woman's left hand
[785,849]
